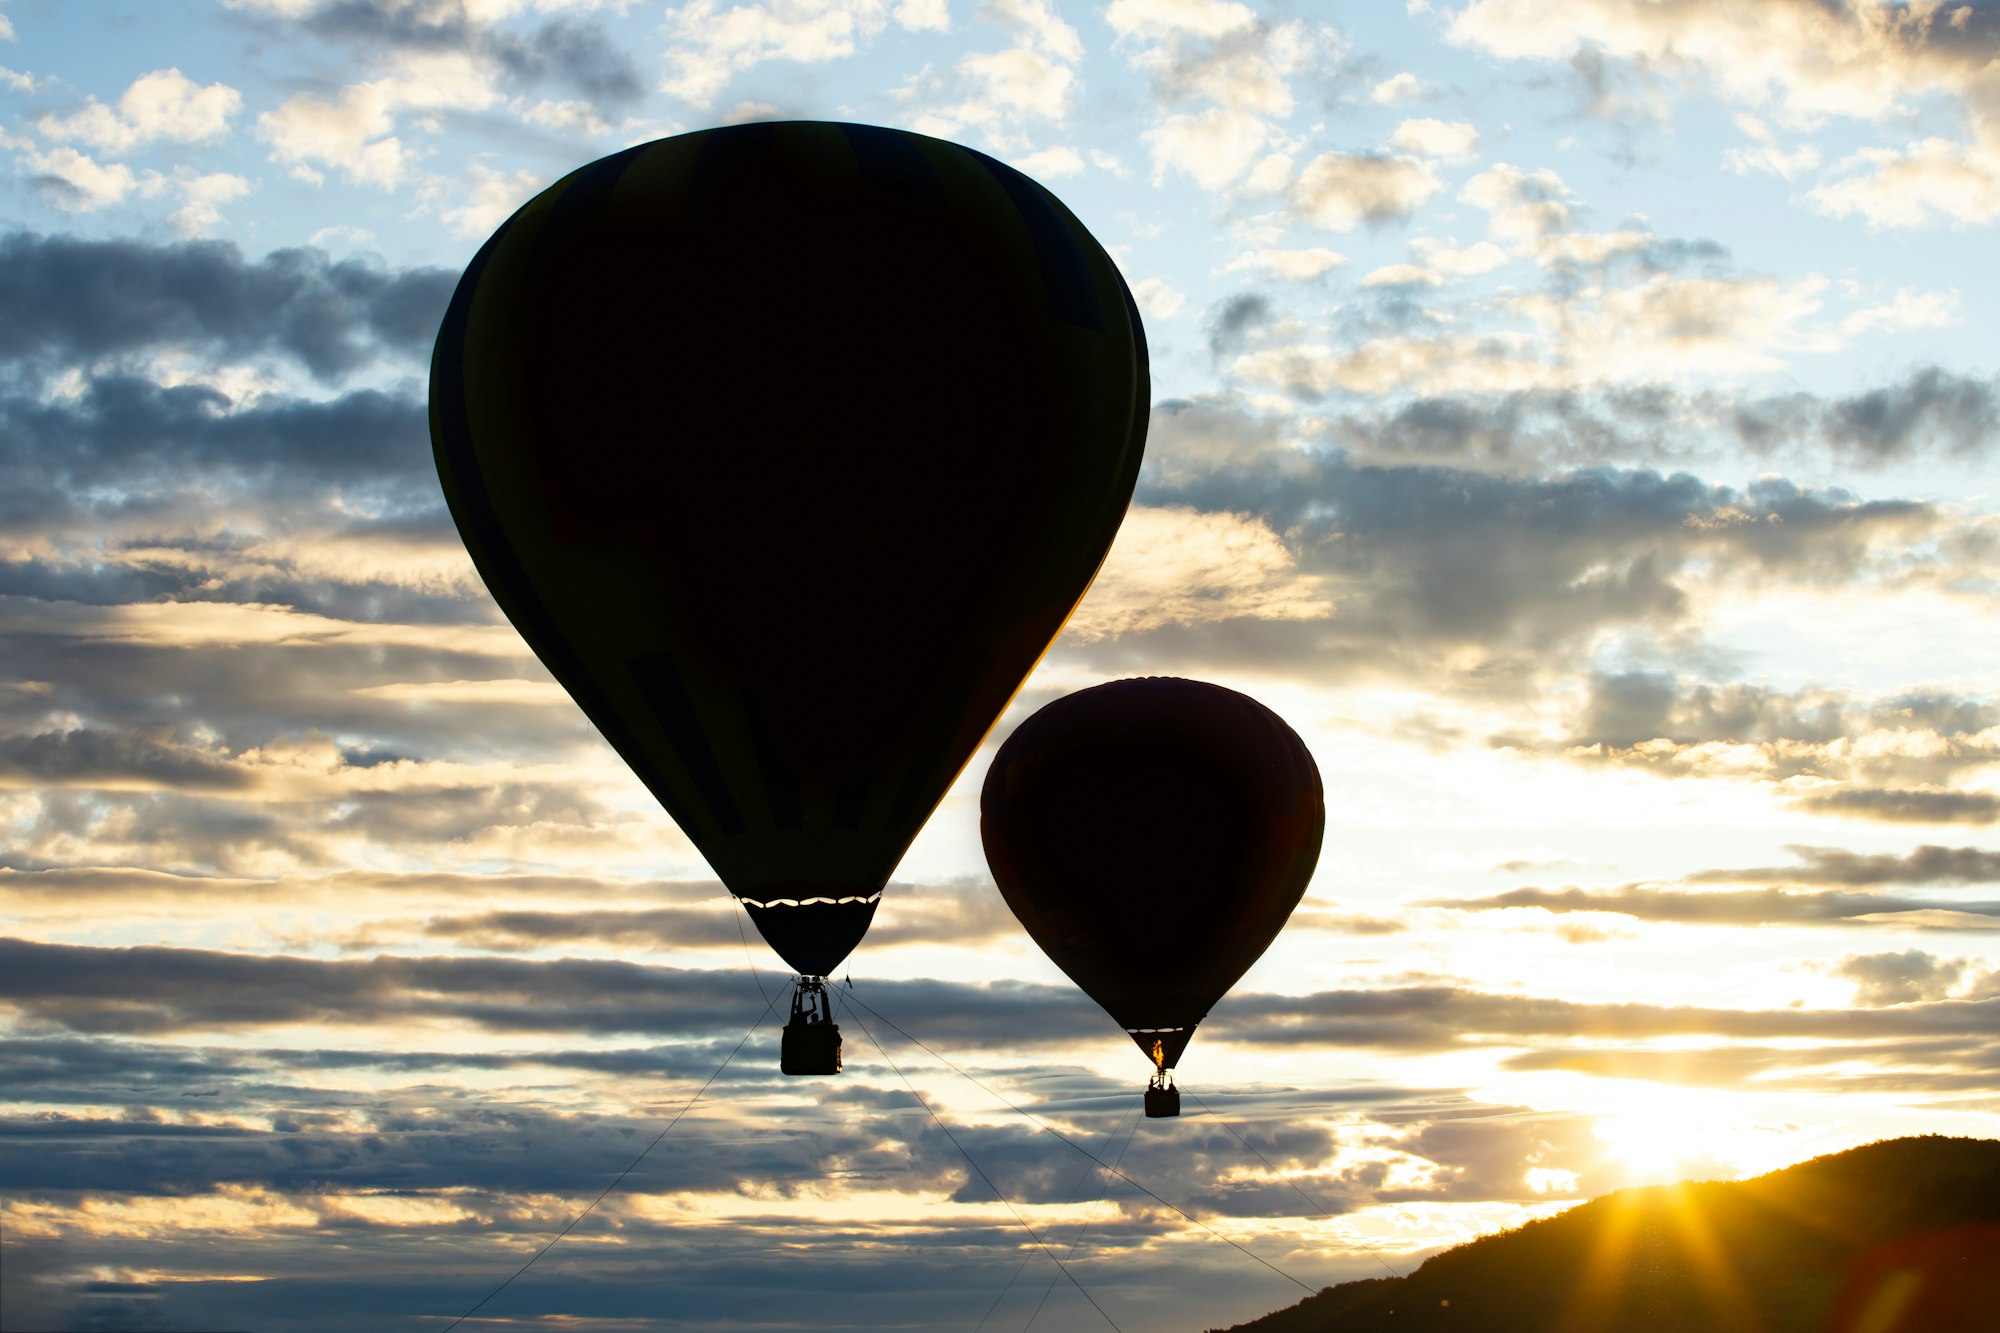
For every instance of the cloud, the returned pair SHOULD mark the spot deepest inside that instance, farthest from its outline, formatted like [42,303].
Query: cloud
[1809,61]
[1293,265]
[1396,88]
[1451,141]
[1213,147]
[1177,566]
[566,51]
[1906,805]
[77,183]
[1900,978]
[999,93]
[355,132]
[1745,907]
[164,105]
[1342,191]
[1685,728]
[78,301]
[1518,567]
[1933,180]
[485,198]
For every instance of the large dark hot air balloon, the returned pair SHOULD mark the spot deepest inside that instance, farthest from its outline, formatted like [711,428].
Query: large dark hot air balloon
[788,448]
[1153,836]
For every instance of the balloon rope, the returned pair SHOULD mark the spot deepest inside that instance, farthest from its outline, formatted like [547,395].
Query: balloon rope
[768,999]
[974,1165]
[578,1219]
[1317,1206]
[1051,1129]
[1075,1189]
[1077,1243]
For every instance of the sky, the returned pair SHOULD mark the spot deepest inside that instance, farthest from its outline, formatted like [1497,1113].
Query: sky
[1578,422]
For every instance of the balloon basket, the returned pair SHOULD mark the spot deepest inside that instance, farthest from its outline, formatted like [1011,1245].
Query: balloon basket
[811,1042]
[1163,1099]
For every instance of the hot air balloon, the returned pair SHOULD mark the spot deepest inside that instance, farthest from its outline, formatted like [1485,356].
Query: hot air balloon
[1153,836]
[788,448]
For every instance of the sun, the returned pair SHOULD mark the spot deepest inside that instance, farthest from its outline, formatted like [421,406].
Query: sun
[1657,1134]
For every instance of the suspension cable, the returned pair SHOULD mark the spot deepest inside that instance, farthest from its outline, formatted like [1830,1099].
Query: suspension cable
[975,1165]
[1051,1129]
[1075,1189]
[620,1178]
[1317,1206]
[1077,1243]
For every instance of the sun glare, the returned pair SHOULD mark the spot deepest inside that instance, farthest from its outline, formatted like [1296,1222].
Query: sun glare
[1662,1134]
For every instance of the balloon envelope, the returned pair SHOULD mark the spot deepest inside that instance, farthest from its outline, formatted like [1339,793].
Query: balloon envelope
[788,448]
[1153,836]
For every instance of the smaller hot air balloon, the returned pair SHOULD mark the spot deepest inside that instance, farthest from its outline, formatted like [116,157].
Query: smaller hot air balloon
[1153,836]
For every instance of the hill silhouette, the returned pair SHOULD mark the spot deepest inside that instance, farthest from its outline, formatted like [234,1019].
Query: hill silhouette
[1901,1236]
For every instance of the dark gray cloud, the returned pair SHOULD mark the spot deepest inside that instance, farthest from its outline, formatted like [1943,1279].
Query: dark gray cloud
[1890,805]
[1746,907]
[128,451]
[1900,978]
[1663,722]
[565,52]
[1932,411]
[76,301]
[158,990]
[1522,567]
[1418,1018]
[1231,322]
[1928,864]
[88,758]
[1627,708]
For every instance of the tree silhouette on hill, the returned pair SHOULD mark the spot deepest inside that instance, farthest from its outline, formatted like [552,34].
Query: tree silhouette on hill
[1901,1236]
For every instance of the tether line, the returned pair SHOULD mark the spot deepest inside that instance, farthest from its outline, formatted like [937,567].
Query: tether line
[1051,1129]
[1317,1206]
[620,1179]
[1075,1189]
[939,1120]
[1077,1243]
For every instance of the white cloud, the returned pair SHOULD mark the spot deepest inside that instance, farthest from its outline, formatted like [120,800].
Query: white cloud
[1933,180]
[1479,257]
[996,92]
[354,133]
[1651,331]
[1905,310]
[164,104]
[78,183]
[1770,158]
[1402,275]
[1215,146]
[1157,298]
[1051,163]
[203,196]
[1586,248]
[1340,191]
[923,16]
[573,116]
[1815,58]
[1270,176]
[1156,19]
[1807,60]
[485,198]
[712,43]
[1175,566]
[1522,206]
[1454,141]
[1298,265]
[1397,88]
